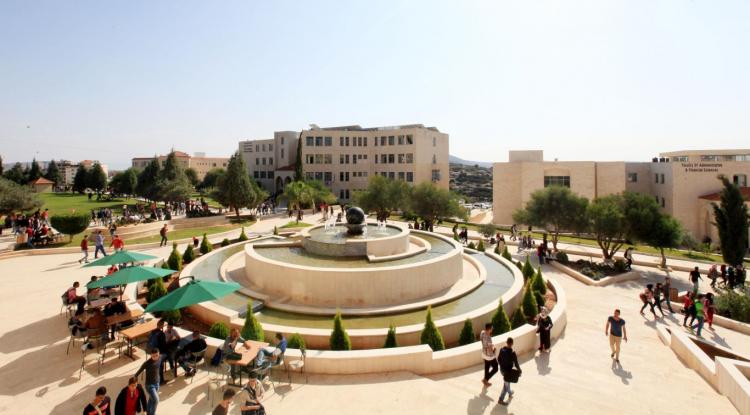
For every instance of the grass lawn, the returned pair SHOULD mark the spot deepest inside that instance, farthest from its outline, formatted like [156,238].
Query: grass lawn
[189,233]
[294,224]
[67,202]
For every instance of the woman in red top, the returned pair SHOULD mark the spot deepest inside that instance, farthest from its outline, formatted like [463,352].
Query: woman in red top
[131,400]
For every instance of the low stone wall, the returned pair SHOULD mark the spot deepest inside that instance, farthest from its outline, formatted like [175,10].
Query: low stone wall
[732,382]
[628,276]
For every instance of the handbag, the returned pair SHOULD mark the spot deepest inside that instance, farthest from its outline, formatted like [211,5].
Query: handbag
[512,375]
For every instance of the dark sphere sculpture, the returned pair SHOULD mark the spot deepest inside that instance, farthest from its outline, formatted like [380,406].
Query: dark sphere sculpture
[355,221]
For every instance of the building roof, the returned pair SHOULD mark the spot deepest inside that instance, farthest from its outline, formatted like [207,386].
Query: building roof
[288,168]
[716,196]
[355,127]
[42,180]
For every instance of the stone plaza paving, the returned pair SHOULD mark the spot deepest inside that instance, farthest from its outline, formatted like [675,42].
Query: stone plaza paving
[577,377]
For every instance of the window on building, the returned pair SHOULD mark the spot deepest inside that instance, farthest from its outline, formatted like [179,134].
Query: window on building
[354,158]
[392,175]
[382,140]
[740,180]
[409,158]
[256,174]
[661,177]
[391,140]
[409,139]
[663,202]
[262,147]
[341,176]
[391,158]
[656,178]
[328,141]
[257,148]
[270,174]
[282,140]
[318,159]
[341,141]
[309,141]
[401,159]
[346,141]
[401,140]
[341,194]
[657,199]
[309,175]
[434,159]
[270,160]
[318,141]
[557,181]
[346,157]
[680,158]
[328,177]
[257,161]
[436,175]
[401,175]
[270,147]
[346,193]
[632,177]
[710,157]
[375,139]
[359,141]
[319,175]
[263,174]
[282,153]
[384,158]
[328,159]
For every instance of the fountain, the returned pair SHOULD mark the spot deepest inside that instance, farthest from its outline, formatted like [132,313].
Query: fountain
[355,221]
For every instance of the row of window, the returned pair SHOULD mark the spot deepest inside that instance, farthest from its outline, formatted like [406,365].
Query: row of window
[345,158]
[727,157]
[263,174]
[406,158]
[659,178]
[406,176]
[345,141]
[261,161]
[557,181]
[259,147]
[319,159]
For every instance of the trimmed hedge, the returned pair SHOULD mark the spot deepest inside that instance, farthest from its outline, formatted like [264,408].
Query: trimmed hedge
[390,338]
[467,333]
[339,338]
[252,330]
[218,330]
[296,342]
[431,334]
[206,246]
[70,224]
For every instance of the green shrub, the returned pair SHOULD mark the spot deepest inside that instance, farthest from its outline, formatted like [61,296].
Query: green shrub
[225,242]
[480,245]
[471,245]
[619,265]
[70,224]
[734,305]
[252,330]
[390,338]
[218,330]
[537,283]
[339,338]
[520,266]
[530,307]
[243,236]
[275,230]
[562,257]
[296,342]
[189,255]
[164,265]
[172,316]
[539,297]
[206,246]
[527,270]
[467,333]
[506,254]
[500,321]
[431,334]
[519,318]
[487,229]
[175,259]
[156,290]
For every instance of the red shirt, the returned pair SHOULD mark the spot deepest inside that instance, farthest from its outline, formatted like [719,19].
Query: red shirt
[131,400]
[118,243]
[84,243]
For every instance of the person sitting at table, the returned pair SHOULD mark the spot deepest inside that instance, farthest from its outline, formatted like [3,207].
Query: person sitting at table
[229,346]
[74,298]
[93,293]
[76,324]
[173,342]
[197,344]
[274,353]
[158,340]
[97,323]
[114,308]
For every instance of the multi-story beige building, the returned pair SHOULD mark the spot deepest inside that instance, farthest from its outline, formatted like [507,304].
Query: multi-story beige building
[684,183]
[69,169]
[343,158]
[198,162]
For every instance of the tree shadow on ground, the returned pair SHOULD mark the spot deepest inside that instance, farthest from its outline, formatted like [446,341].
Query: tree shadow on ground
[39,333]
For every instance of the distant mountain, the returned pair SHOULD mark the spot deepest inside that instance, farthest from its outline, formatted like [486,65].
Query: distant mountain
[457,160]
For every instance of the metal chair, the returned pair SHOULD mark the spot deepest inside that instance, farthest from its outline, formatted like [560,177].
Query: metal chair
[80,335]
[193,361]
[279,362]
[298,364]
[67,306]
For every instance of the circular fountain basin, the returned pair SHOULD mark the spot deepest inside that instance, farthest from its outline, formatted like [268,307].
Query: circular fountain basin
[377,241]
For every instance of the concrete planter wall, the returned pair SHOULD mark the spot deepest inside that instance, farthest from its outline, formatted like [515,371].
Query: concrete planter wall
[628,276]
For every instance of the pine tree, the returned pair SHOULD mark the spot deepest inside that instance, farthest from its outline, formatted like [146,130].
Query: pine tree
[53,173]
[339,338]
[431,334]
[206,246]
[172,316]
[467,333]
[225,242]
[156,290]
[235,190]
[480,245]
[96,179]
[539,297]
[527,270]
[537,283]
[218,330]
[298,161]
[34,171]
[173,184]
[252,330]
[243,236]
[519,318]
[731,216]
[390,338]
[506,254]
[147,180]
[296,341]
[530,307]
[500,320]
[189,255]
[80,180]
[175,259]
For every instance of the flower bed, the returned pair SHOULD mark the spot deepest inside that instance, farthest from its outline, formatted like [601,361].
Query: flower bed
[596,271]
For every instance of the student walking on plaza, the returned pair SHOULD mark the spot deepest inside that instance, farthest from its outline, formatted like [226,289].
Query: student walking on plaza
[152,367]
[544,328]
[117,243]
[629,258]
[84,249]
[658,292]
[667,288]
[99,242]
[647,296]
[709,309]
[508,360]
[100,405]
[488,354]
[131,400]
[163,234]
[615,329]
[688,307]
[251,394]
[698,306]
[695,277]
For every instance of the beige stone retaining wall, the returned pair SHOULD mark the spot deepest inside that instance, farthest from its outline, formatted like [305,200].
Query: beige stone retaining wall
[628,276]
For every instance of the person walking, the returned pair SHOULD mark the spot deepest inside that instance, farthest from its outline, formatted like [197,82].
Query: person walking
[152,367]
[99,244]
[117,243]
[688,307]
[489,354]
[100,405]
[647,296]
[223,407]
[629,258]
[544,328]
[508,360]
[615,329]
[667,288]
[163,234]
[713,275]
[695,277]
[131,400]
[699,315]
[84,249]
[709,308]
[658,292]
[251,394]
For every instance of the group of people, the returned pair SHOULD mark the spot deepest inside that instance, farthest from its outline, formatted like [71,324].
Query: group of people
[94,321]
[117,244]
[731,277]
[33,229]
[699,307]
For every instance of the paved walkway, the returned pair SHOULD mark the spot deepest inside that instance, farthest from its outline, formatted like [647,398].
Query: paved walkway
[577,377]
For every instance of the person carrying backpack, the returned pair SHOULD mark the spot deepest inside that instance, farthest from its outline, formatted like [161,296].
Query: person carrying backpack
[508,360]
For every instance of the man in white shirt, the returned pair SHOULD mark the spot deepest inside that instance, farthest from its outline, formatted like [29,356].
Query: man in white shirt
[488,354]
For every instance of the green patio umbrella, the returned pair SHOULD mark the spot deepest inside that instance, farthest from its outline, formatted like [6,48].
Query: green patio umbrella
[194,292]
[130,274]
[121,257]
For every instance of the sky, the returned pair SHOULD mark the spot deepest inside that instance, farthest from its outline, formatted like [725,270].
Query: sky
[582,80]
